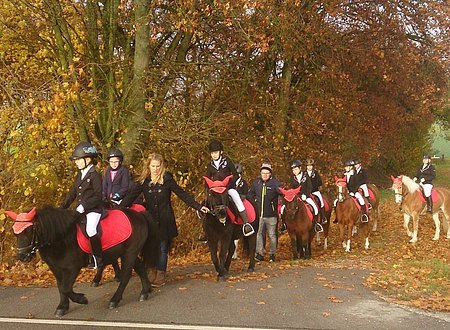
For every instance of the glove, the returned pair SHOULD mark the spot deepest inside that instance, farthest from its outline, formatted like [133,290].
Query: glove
[415,179]
[422,180]
[80,208]
[116,197]
[352,194]
[303,197]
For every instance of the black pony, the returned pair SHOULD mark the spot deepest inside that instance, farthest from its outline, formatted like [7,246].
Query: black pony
[53,232]
[221,232]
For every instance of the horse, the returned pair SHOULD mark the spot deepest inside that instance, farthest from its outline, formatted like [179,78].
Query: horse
[54,233]
[348,215]
[299,224]
[325,226]
[409,197]
[221,231]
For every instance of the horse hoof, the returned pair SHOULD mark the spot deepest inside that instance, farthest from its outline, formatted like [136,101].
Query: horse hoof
[250,270]
[143,297]
[220,278]
[113,304]
[95,284]
[117,279]
[60,312]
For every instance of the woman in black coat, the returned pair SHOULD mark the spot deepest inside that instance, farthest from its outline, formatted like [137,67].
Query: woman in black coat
[157,186]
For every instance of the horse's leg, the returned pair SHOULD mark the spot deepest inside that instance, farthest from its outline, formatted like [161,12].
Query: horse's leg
[406,218]
[235,256]
[212,244]
[366,231]
[127,267]
[376,211]
[65,280]
[415,217]
[318,241]
[349,234]
[251,252]
[437,225]
[294,246]
[354,230]
[230,253]
[341,234]
[116,267]
[223,251]
[142,273]
[445,222]
[98,277]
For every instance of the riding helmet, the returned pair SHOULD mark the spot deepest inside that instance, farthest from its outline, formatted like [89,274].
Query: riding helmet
[84,150]
[309,161]
[114,152]
[238,168]
[357,161]
[350,162]
[296,163]
[215,145]
[426,156]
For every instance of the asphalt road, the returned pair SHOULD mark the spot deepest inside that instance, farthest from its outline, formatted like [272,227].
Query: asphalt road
[290,298]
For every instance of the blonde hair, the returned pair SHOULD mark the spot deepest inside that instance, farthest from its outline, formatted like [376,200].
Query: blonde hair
[146,170]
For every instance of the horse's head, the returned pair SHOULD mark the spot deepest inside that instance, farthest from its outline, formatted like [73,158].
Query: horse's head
[341,183]
[291,200]
[397,186]
[25,230]
[217,197]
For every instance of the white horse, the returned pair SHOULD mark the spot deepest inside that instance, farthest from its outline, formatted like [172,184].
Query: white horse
[408,195]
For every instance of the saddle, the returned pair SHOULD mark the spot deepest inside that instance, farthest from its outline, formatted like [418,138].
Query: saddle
[434,196]
[234,215]
[359,206]
[115,228]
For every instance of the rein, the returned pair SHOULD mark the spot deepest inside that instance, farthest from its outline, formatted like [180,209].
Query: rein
[32,247]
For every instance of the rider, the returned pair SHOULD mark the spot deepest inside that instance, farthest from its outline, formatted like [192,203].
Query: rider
[116,180]
[316,182]
[352,186]
[301,179]
[218,169]
[361,177]
[426,174]
[87,191]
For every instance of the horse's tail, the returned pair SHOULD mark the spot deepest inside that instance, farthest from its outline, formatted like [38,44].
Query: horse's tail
[150,251]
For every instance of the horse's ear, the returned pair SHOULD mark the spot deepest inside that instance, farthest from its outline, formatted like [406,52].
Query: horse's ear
[297,190]
[392,178]
[209,182]
[32,213]
[283,191]
[336,178]
[11,214]
[226,180]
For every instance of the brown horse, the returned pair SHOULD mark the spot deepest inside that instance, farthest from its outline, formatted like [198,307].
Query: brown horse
[348,215]
[408,196]
[298,223]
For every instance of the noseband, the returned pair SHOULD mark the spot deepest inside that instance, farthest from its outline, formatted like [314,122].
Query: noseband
[31,248]
[216,209]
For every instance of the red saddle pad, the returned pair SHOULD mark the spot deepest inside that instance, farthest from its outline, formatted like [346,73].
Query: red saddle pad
[251,214]
[116,228]
[434,196]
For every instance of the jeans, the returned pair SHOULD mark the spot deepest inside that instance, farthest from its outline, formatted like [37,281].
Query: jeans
[271,228]
[163,255]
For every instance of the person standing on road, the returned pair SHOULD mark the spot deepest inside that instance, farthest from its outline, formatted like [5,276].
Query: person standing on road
[157,186]
[264,191]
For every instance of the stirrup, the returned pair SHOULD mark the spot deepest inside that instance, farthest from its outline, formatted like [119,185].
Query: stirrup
[318,228]
[248,226]
[364,218]
[94,263]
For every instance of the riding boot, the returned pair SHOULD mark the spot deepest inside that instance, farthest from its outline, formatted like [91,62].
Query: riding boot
[364,217]
[317,226]
[96,260]
[323,216]
[429,204]
[247,229]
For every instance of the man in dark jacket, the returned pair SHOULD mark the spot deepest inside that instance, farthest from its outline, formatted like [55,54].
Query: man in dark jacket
[264,192]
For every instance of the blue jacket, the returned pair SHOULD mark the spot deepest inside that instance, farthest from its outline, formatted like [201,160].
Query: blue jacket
[265,195]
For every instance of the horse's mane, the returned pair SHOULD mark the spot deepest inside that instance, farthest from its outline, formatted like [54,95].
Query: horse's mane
[54,224]
[410,184]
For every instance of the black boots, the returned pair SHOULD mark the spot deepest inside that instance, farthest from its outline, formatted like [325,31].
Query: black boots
[317,226]
[247,229]
[429,204]
[95,261]
[364,217]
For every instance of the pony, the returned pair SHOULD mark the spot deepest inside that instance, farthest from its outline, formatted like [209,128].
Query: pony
[348,215]
[221,231]
[408,196]
[298,220]
[54,233]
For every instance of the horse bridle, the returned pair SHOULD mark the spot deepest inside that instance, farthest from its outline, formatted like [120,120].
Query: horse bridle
[215,208]
[32,247]
[399,193]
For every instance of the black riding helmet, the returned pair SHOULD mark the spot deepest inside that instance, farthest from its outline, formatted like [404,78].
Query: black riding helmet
[215,145]
[357,161]
[114,152]
[296,163]
[350,162]
[84,150]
